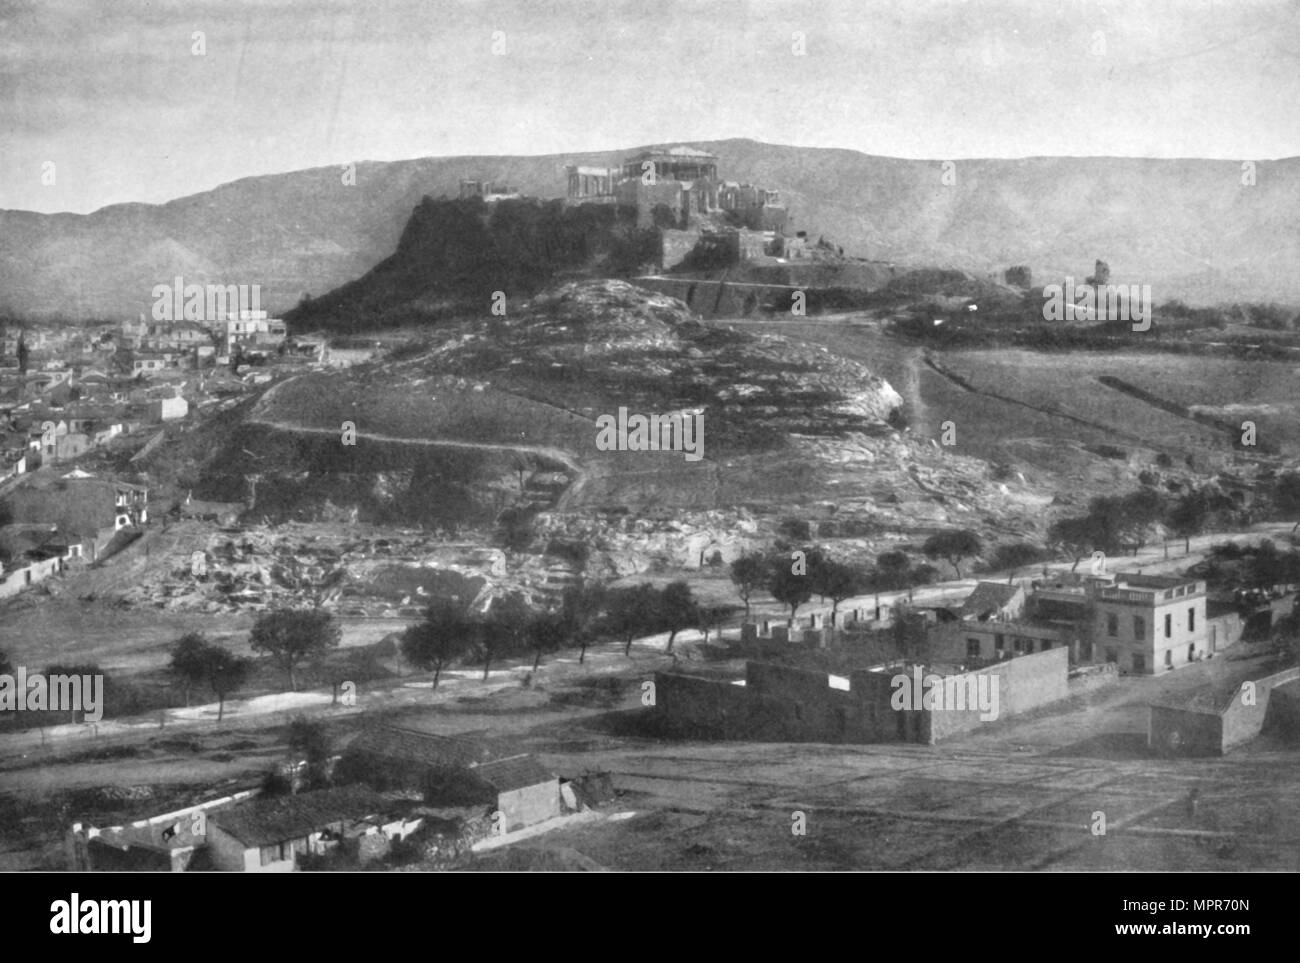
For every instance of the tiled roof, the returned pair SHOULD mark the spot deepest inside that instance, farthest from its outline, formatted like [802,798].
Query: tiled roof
[282,818]
[515,772]
[989,597]
[36,541]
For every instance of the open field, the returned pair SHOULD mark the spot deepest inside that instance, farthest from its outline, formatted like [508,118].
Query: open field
[1262,391]
[1024,793]
[1061,398]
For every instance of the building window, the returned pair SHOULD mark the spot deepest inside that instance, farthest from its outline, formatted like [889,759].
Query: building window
[1169,658]
[972,648]
[1191,620]
[1169,625]
[1191,652]
[1112,625]
[1139,628]
[1139,663]
[1112,655]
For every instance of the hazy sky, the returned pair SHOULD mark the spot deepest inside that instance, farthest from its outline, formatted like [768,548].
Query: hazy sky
[113,94]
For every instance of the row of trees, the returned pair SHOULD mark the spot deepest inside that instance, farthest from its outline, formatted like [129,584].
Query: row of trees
[793,576]
[1115,522]
[1258,566]
[289,637]
[451,632]
[586,614]
[198,662]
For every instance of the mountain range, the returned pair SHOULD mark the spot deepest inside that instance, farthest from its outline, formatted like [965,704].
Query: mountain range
[1201,231]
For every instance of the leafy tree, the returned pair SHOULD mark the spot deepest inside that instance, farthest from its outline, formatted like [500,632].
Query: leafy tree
[1188,516]
[546,632]
[226,672]
[6,667]
[445,634]
[1106,520]
[788,586]
[749,573]
[924,575]
[1016,555]
[892,568]
[189,661]
[631,611]
[581,610]
[1074,536]
[953,546]
[678,609]
[291,636]
[503,629]
[1267,566]
[1139,510]
[837,581]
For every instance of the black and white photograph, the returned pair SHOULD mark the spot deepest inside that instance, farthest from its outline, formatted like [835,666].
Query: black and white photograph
[752,436]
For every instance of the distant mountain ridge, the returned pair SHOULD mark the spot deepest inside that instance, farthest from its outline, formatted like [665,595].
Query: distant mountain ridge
[1189,228]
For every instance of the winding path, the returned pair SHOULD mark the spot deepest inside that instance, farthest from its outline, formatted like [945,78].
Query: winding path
[580,474]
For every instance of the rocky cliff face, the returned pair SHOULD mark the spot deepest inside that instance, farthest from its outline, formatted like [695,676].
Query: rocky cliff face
[454,256]
[493,428]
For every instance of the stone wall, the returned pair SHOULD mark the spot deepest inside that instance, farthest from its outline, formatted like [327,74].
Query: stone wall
[675,246]
[789,704]
[718,299]
[1242,721]
[1023,683]
[1030,681]
[1184,732]
[1195,731]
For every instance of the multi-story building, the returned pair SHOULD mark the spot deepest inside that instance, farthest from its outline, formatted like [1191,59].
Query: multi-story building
[175,336]
[1149,624]
[250,329]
